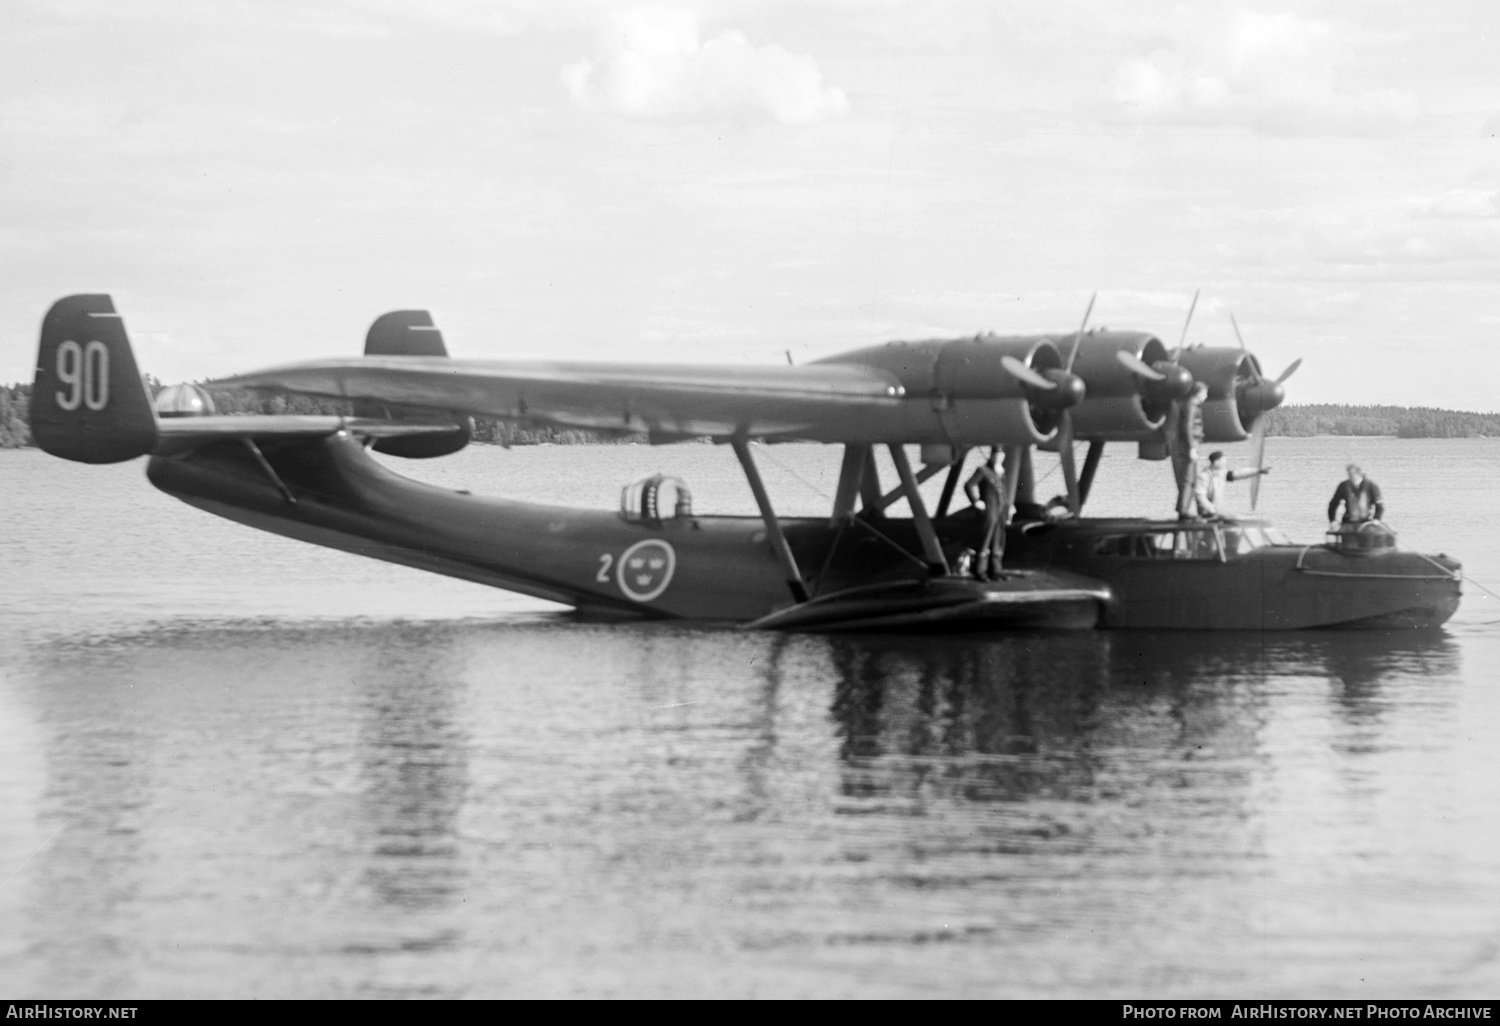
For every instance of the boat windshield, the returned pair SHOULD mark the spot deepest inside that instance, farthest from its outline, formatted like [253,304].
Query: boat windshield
[1240,539]
[1184,543]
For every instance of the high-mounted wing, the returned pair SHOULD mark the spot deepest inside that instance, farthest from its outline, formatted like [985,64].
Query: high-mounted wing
[966,391]
[665,400]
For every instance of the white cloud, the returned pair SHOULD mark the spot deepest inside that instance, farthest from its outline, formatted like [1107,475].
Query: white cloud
[654,65]
[1458,204]
[1268,72]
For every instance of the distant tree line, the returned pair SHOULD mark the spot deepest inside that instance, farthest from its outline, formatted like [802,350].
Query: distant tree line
[1288,421]
[1401,421]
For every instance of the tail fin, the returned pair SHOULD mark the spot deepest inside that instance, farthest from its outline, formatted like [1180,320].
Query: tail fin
[404,333]
[88,402]
[412,333]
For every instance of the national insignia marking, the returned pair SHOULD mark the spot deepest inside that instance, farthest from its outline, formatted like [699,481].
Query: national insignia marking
[646,569]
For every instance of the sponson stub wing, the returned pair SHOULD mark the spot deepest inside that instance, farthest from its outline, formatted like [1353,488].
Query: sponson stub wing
[942,391]
[186,433]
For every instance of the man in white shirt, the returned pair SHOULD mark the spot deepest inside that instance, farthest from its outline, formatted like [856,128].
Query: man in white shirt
[1209,490]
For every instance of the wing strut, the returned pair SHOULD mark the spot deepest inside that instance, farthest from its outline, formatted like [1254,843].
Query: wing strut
[931,547]
[1090,467]
[265,465]
[869,484]
[954,473]
[851,477]
[899,492]
[773,525]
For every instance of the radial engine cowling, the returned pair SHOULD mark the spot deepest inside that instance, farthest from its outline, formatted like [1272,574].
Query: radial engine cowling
[1119,405]
[1229,373]
[960,392]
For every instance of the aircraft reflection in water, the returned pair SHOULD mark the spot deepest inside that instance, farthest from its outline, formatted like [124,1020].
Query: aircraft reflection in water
[857,569]
[466,810]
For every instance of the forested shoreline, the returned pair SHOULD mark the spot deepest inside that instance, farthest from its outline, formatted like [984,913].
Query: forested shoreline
[1300,421]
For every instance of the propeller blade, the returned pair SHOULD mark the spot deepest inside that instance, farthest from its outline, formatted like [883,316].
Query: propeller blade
[1078,336]
[1065,454]
[1025,374]
[1244,350]
[1137,366]
[1258,447]
[1193,306]
[1291,369]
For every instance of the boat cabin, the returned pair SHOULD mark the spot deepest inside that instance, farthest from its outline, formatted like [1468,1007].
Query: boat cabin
[1216,540]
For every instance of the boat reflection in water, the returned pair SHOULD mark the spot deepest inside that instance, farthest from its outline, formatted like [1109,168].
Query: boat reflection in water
[1083,717]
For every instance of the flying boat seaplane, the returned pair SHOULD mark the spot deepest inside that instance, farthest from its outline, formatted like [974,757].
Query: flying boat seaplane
[860,567]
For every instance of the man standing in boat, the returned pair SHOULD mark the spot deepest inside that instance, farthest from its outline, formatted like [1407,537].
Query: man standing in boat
[1360,498]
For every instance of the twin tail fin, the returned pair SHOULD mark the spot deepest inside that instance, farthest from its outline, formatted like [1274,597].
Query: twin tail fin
[412,333]
[88,402]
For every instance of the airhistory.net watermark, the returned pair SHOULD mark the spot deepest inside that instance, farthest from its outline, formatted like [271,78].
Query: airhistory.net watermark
[40,1010]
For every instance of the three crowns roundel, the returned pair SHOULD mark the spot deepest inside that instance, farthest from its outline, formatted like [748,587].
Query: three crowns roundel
[645,569]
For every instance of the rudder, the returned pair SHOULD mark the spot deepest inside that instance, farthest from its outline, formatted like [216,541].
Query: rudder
[88,402]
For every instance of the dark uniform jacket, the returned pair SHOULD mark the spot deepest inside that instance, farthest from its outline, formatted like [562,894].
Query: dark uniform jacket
[1361,501]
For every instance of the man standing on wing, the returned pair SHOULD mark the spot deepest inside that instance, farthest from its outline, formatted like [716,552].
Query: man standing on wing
[1213,478]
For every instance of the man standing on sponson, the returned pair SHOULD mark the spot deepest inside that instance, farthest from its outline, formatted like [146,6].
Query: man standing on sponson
[986,488]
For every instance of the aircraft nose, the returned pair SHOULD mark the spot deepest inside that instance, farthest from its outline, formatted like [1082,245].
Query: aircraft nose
[1177,382]
[1261,396]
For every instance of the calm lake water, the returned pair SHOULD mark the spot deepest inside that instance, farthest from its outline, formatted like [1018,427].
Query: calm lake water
[237,766]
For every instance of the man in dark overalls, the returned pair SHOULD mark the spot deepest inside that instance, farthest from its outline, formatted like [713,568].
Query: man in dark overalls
[986,488]
[1183,429]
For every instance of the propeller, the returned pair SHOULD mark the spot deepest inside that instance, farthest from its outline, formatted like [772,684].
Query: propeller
[1164,381]
[1183,339]
[1255,396]
[1065,422]
[1161,382]
[1056,390]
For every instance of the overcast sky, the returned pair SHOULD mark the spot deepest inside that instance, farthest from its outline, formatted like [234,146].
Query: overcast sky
[255,181]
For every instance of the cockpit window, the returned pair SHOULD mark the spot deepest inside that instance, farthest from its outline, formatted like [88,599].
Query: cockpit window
[656,499]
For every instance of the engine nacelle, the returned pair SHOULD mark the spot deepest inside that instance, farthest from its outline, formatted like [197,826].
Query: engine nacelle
[1117,407]
[968,391]
[1226,371]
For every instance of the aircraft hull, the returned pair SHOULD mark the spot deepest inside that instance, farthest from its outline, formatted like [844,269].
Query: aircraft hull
[695,568]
